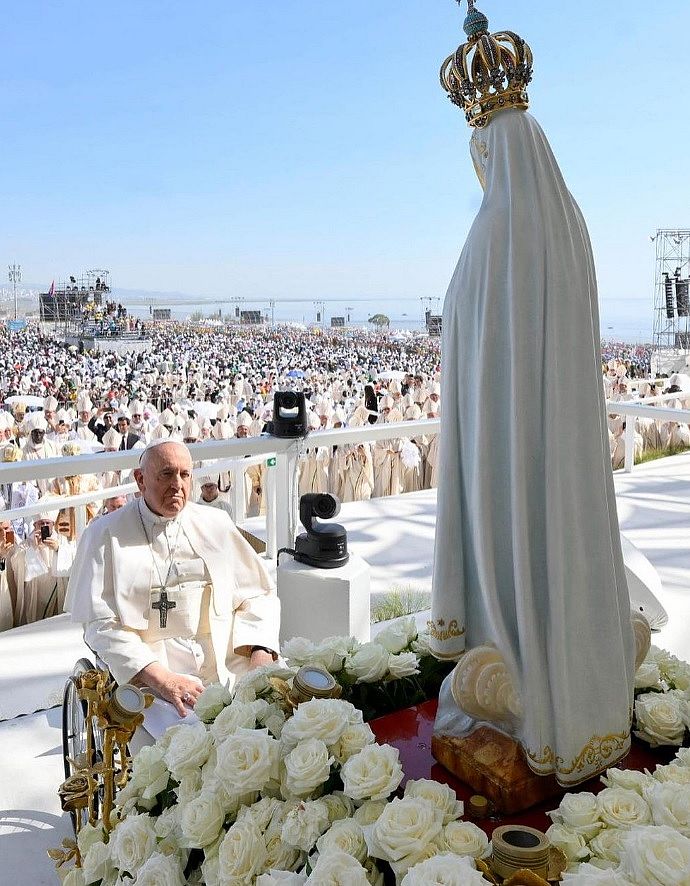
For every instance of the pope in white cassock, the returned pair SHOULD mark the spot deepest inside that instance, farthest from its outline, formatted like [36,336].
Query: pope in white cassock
[170,594]
[529,587]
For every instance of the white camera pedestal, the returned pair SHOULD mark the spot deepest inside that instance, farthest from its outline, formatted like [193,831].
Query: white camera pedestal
[317,603]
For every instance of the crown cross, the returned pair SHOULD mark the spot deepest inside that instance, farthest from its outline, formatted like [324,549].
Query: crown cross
[489,73]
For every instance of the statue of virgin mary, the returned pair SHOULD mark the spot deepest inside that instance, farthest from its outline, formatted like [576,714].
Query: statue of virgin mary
[529,587]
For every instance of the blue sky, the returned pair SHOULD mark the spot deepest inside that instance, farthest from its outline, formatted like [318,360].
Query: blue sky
[260,148]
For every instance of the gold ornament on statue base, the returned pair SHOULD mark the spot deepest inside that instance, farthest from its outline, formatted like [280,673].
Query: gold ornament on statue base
[489,73]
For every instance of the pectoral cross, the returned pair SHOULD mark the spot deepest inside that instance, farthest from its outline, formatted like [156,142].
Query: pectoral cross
[163,605]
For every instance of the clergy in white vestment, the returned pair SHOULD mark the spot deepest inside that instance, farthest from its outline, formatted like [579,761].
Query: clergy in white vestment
[38,569]
[529,587]
[170,595]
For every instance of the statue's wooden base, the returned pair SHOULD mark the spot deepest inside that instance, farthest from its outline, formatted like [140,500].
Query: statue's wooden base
[494,765]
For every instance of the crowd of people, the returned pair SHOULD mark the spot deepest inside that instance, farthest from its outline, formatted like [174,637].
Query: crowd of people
[211,383]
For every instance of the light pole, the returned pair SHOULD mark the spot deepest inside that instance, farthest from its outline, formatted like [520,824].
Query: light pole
[15,277]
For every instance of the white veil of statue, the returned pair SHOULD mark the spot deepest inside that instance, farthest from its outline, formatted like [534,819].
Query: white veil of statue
[528,554]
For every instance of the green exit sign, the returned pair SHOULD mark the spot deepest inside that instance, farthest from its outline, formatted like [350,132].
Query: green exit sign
[271,462]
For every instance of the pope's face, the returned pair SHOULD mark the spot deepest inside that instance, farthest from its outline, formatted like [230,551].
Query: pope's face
[165,478]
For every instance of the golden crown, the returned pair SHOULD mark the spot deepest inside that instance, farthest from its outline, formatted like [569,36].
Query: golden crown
[489,73]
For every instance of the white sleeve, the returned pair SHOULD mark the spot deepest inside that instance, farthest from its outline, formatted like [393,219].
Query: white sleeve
[120,648]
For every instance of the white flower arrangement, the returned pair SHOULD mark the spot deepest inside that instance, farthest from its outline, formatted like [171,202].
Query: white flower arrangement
[635,832]
[662,702]
[254,796]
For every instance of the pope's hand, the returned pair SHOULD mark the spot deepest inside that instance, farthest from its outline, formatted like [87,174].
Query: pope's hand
[259,658]
[179,690]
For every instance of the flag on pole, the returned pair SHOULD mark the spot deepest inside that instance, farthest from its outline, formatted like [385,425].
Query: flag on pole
[51,291]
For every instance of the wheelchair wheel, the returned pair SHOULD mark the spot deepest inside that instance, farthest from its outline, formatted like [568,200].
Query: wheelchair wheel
[74,732]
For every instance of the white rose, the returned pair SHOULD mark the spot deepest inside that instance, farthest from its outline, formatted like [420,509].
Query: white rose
[353,739]
[210,866]
[676,673]
[619,808]
[660,718]
[670,805]
[372,774]
[345,835]
[465,838]
[403,665]
[673,772]
[256,683]
[322,718]
[307,767]
[97,863]
[282,878]
[241,854]
[404,827]
[201,820]
[189,786]
[441,795]
[338,867]
[149,770]
[331,653]
[571,844]
[167,827]
[280,856]
[161,870]
[74,877]
[132,842]
[339,806]
[304,824]
[261,813]
[587,874]
[398,635]
[247,761]
[88,835]
[298,651]
[369,811]
[212,701]
[188,749]
[422,645]
[682,757]
[369,664]
[656,856]
[445,869]
[630,779]
[579,812]
[648,676]
[608,845]
[237,716]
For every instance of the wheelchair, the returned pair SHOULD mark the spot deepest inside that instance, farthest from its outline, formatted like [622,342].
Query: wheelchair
[99,719]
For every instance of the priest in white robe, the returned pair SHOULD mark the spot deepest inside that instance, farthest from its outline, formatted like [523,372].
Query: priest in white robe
[170,595]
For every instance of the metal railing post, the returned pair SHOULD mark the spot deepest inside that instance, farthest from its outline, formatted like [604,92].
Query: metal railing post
[239,501]
[270,491]
[286,518]
[629,444]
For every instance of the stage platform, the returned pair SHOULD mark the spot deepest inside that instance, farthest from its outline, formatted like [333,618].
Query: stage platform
[396,537]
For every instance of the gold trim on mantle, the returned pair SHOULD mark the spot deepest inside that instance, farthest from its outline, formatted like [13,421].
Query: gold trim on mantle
[439,631]
[594,757]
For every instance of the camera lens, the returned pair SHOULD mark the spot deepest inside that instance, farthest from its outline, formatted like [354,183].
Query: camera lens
[288,401]
[325,506]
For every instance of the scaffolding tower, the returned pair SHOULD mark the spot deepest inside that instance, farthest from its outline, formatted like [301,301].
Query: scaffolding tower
[671,297]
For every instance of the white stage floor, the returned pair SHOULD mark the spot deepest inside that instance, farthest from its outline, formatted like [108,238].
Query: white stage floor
[395,536]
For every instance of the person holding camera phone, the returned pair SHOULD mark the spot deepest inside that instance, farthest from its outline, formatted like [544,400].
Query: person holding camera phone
[38,569]
[7,593]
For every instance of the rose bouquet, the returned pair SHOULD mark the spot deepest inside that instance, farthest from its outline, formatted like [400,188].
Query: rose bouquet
[261,794]
[662,699]
[393,671]
[635,831]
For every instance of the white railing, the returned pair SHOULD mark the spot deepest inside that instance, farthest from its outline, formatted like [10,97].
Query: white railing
[281,457]
[645,409]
